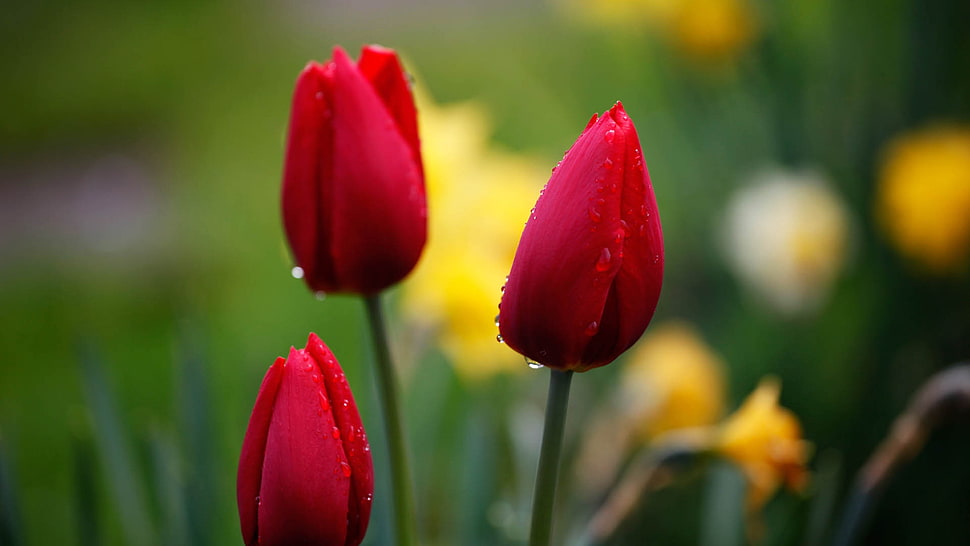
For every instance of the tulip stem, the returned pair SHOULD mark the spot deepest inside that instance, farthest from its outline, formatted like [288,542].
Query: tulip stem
[394,431]
[547,474]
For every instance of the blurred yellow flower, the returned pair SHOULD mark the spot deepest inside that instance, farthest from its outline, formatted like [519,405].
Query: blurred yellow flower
[923,198]
[786,237]
[672,380]
[701,29]
[714,29]
[765,440]
[478,201]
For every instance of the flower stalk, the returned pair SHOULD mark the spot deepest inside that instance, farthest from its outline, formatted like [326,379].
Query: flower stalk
[401,490]
[547,474]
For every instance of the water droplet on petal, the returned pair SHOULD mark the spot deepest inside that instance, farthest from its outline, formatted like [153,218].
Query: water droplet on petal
[608,164]
[592,328]
[351,434]
[324,403]
[335,432]
[497,317]
[603,263]
[499,339]
[315,377]
[532,363]
[346,469]
[656,258]
[609,135]
[297,272]
[595,215]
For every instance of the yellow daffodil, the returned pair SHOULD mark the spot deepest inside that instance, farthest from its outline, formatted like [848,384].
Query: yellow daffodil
[765,441]
[714,29]
[478,201]
[787,237]
[923,199]
[672,380]
[701,29]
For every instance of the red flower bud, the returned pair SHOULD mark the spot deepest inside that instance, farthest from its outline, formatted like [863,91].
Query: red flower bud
[305,472]
[354,207]
[587,272]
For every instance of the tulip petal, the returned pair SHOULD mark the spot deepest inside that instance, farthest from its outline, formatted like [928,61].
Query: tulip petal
[254,446]
[308,164]
[568,255]
[382,68]
[638,282]
[304,486]
[378,201]
[353,438]
[586,275]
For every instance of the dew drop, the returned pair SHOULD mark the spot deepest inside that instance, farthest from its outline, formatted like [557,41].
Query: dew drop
[351,434]
[297,272]
[320,295]
[608,164]
[613,188]
[335,432]
[324,403]
[497,317]
[595,215]
[592,328]
[644,211]
[656,258]
[315,378]
[609,136]
[345,468]
[532,363]
[603,263]
[499,339]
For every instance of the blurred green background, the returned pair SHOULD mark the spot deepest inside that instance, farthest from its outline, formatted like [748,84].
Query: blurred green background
[145,284]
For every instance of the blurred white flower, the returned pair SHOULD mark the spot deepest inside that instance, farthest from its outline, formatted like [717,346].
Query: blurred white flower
[786,237]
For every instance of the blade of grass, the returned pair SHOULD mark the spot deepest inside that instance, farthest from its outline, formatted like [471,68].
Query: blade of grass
[9,510]
[124,481]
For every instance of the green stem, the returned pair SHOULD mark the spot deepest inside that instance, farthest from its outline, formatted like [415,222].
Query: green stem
[548,472]
[394,431]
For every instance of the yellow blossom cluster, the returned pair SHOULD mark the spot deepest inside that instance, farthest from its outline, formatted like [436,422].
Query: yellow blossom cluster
[765,441]
[923,199]
[476,197]
[706,30]
[672,380]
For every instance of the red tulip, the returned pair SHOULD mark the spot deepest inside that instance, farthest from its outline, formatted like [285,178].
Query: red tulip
[587,272]
[305,472]
[354,207]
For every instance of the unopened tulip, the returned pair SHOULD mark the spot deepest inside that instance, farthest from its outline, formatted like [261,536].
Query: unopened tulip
[305,472]
[587,272]
[354,207]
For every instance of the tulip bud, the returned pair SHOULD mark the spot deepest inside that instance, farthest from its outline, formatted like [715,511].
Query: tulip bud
[354,207]
[587,272]
[305,472]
